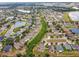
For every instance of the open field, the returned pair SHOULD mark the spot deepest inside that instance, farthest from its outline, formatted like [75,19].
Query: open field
[66,17]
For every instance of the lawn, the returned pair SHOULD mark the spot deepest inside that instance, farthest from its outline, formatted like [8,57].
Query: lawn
[37,38]
[70,26]
[67,18]
[69,53]
[16,30]
[3,32]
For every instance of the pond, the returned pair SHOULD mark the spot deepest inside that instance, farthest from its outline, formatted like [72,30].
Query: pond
[19,24]
[75,30]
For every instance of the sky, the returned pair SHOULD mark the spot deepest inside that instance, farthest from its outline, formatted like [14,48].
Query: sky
[39,0]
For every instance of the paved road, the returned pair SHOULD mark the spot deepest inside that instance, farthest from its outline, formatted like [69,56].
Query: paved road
[9,31]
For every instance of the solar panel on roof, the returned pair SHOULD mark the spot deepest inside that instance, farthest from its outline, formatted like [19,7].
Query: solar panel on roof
[1,38]
[7,48]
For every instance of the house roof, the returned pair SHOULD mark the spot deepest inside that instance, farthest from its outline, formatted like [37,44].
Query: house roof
[67,46]
[59,48]
[1,38]
[77,47]
[7,48]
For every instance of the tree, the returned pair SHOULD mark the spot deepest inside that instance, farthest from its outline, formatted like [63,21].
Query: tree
[19,55]
[47,55]
[17,39]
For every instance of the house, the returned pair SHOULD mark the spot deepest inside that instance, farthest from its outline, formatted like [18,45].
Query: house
[51,48]
[77,47]
[59,48]
[73,47]
[67,46]
[10,18]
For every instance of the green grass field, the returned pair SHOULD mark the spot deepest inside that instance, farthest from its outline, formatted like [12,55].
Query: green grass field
[67,18]
[37,38]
